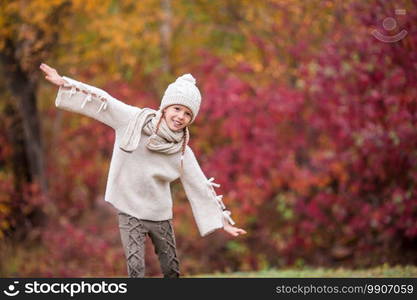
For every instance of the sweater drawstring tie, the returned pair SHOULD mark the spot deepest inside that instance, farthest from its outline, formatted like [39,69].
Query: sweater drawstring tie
[103,105]
[72,92]
[218,198]
[88,98]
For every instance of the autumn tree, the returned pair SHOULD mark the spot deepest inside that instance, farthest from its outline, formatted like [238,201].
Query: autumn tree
[43,31]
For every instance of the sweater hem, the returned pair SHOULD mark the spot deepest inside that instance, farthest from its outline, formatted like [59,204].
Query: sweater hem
[141,217]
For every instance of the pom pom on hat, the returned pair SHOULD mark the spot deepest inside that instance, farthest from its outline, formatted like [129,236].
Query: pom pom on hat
[184,92]
[187,77]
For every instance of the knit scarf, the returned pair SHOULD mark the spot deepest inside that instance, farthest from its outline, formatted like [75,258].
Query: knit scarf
[164,141]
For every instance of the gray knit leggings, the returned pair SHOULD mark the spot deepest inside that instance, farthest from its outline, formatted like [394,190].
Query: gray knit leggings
[133,233]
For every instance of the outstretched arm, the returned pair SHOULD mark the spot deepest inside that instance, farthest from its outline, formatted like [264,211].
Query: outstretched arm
[208,209]
[88,100]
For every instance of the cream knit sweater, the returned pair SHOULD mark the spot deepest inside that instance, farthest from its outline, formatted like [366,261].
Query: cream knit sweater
[138,183]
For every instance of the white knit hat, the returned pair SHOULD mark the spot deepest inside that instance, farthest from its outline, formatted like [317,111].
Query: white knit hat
[183,91]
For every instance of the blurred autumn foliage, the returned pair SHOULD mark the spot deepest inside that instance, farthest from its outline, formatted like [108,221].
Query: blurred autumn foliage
[308,122]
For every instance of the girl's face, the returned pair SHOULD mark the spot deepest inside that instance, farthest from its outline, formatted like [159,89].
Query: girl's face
[177,116]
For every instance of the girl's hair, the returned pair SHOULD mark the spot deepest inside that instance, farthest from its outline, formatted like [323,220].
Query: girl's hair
[184,137]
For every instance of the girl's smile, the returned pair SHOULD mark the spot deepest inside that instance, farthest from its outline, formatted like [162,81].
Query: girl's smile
[177,116]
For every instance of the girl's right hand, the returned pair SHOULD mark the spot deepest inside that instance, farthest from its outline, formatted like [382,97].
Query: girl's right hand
[52,75]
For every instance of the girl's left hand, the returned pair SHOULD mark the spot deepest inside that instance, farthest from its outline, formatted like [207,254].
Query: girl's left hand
[234,231]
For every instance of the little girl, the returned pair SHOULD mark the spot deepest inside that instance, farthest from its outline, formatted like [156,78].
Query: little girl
[150,151]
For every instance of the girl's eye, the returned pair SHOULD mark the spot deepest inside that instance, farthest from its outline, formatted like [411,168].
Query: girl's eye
[176,108]
[188,114]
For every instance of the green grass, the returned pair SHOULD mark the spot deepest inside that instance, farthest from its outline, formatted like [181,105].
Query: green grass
[381,271]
